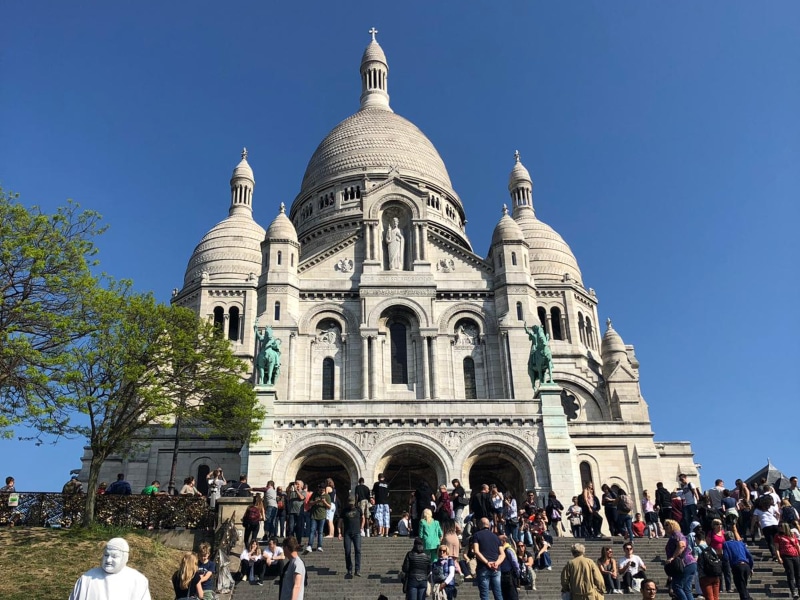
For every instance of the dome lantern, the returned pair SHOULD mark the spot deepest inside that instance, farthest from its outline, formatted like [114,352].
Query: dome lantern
[520,186]
[242,184]
[374,73]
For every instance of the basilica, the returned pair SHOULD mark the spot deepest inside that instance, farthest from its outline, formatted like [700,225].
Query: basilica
[399,349]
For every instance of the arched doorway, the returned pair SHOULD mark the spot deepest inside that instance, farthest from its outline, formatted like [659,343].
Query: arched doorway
[321,462]
[405,467]
[502,465]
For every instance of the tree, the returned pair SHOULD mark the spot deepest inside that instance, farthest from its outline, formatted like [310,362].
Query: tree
[204,380]
[120,379]
[45,267]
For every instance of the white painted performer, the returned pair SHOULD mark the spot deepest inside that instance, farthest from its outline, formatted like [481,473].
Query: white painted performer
[112,580]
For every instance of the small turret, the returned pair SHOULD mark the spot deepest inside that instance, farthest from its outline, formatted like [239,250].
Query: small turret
[242,184]
[520,186]
[374,75]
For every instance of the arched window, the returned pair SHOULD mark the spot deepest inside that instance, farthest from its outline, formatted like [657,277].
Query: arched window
[519,311]
[219,318]
[586,473]
[277,311]
[202,479]
[399,352]
[589,333]
[542,312]
[555,323]
[327,379]
[233,323]
[470,389]
[581,328]
[514,259]
[280,256]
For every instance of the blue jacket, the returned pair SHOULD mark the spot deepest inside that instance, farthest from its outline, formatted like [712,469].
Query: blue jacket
[736,552]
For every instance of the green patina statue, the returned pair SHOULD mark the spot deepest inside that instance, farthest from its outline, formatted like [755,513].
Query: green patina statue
[540,360]
[268,357]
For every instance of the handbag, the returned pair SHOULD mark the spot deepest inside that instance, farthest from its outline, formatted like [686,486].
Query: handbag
[674,568]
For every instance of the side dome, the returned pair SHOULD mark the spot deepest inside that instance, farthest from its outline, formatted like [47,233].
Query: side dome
[612,343]
[281,228]
[230,251]
[375,138]
[551,257]
[507,230]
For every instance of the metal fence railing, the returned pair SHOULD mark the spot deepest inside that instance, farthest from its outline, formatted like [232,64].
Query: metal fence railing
[45,509]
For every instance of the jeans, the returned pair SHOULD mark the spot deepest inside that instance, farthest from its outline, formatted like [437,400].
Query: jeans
[352,540]
[769,534]
[269,522]
[726,574]
[689,515]
[508,585]
[294,526]
[280,524]
[459,515]
[611,582]
[741,575]
[791,565]
[488,578]
[251,532]
[415,590]
[625,525]
[543,561]
[318,531]
[682,586]
[512,530]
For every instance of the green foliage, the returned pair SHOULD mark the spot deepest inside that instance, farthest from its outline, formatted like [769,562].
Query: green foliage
[45,268]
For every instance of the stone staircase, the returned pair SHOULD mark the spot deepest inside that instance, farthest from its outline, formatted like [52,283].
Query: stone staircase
[383,557]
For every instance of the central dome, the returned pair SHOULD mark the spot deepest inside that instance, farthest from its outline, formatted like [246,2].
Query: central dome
[375,138]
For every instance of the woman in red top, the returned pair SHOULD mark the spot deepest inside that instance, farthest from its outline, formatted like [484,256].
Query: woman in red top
[715,538]
[677,507]
[789,555]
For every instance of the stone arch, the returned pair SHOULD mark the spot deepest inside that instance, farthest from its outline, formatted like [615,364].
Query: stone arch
[503,445]
[377,208]
[332,446]
[596,472]
[424,445]
[578,385]
[449,317]
[307,322]
[415,307]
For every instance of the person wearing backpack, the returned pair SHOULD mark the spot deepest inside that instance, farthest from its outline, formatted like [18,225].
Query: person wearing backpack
[443,574]
[624,509]
[715,539]
[709,566]
[252,519]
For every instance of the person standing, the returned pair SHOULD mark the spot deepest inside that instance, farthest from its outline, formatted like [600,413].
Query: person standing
[380,491]
[270,509]
[793,493]
[489,555]
[789,556]
[9,486]
[206,568]
[677,548]
[581,576]
[663,503]
[362,501]
[741,561]
[690,496]
[430,532]
[416,568]
[293,575]
[294,510]
[120,487]
[216,483]
[351,526]
[320,503]
[459,499]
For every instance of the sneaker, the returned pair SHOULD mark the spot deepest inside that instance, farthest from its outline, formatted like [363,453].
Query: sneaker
[358,573]
[549,568]
[259,582]
[319,549]
[348,575]
[308,549]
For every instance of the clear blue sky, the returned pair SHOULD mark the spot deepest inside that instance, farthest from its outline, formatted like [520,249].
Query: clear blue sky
[662,137]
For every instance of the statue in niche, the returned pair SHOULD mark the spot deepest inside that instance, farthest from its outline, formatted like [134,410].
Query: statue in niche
[113,579]
[328,336]
[395,245]
[466,335]
[540,360]
[268,358]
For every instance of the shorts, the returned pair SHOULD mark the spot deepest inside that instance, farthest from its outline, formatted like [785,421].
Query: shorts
[382,515]
[331,512]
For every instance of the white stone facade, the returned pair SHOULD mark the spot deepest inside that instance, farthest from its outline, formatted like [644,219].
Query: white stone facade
[412,358]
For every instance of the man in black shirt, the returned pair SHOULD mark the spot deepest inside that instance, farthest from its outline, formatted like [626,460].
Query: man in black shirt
[663,502]
[351,524]
[489,555]
[380,492]
[362,500]
[120,487]
[459,499]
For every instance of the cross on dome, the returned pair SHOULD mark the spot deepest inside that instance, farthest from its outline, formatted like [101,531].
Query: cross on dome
[505,210]
[244,153]
[283,208]
[516,155]
[373,31]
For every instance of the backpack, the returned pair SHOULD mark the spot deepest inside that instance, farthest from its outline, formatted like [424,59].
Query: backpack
[710,563]
[252,514]
[231,491]
[625,504]
[438,574]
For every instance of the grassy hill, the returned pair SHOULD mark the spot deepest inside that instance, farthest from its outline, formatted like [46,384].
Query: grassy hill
[42,564]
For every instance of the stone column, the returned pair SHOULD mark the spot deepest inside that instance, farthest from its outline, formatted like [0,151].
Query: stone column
[564,331]
[365,367]
[376,354]
[425,368]
[434,372]
[487,380]
[343,377]
[290,374]
[559,450]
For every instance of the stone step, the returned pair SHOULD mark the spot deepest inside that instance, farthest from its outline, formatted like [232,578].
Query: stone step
[383,557]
